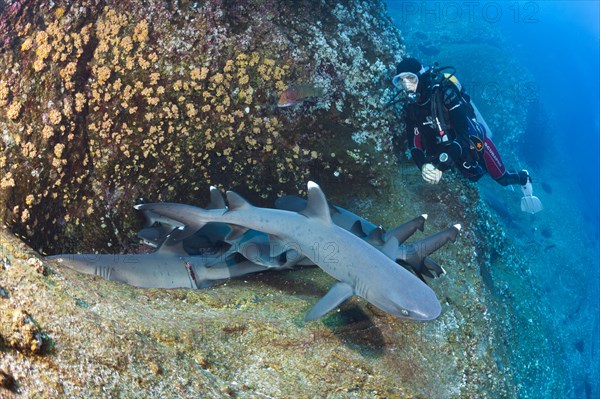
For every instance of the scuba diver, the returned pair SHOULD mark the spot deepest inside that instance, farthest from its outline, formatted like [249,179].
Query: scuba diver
[444,128]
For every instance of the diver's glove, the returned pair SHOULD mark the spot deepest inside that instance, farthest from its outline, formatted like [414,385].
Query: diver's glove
[431,174]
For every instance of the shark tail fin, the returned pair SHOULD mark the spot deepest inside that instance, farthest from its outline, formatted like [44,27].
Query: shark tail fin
[172,245]
[405,230]
[429,245]
[416,254]
[152,236]
[179,220]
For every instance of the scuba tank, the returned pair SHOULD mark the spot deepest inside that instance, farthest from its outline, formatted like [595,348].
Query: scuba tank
[478,124]
[437,103]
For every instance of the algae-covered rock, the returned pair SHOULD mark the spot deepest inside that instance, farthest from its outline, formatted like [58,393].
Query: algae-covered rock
[25,335]
[247,338]
[105,102]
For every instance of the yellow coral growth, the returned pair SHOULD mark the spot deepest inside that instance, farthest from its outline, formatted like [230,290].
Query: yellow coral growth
[126,44]
[55,116]
[38,65]
[4,92]
[140,32]
[244,80]
[29,150]
[27,44]
[218,78]
[7,181]
[58,150]
[154,78]
[47,132]
[67,74]
[199,73]
[79,102]
[14,110]
[103,74]
[143,63]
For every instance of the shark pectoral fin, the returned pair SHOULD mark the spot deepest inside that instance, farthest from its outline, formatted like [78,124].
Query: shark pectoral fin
[235,233]
[317,206]
[336,295]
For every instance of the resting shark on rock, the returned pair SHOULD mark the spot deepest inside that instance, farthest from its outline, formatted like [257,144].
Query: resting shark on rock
[352,222]
[359,268]
[413,256]
[196,246]
[268,252]
[168,267]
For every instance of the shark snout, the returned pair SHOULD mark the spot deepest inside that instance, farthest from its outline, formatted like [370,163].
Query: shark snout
[425,311]
[417,304]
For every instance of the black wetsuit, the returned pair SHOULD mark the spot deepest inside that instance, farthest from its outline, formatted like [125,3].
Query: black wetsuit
[457,139]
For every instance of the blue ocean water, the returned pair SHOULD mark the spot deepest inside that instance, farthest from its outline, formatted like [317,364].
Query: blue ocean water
[551,48]
[560,46]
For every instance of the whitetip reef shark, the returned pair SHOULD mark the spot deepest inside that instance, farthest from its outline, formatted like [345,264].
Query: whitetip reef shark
[412,256]
[361,260]
[359,268]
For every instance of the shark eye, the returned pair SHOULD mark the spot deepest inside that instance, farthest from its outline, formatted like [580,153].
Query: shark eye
[404,312]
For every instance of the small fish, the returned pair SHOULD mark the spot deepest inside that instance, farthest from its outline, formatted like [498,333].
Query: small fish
[296,94]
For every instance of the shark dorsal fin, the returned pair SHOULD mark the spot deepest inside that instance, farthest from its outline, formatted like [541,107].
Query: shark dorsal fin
[375,237]
[357,229]
[216,199]
[236,201]
[317,206]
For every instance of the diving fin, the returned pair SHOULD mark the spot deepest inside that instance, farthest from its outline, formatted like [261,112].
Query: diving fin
[530,203]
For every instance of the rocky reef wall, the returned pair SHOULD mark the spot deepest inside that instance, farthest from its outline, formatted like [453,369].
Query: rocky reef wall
[105,102]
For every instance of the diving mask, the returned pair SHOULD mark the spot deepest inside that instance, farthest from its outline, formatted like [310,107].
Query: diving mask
[407,81]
